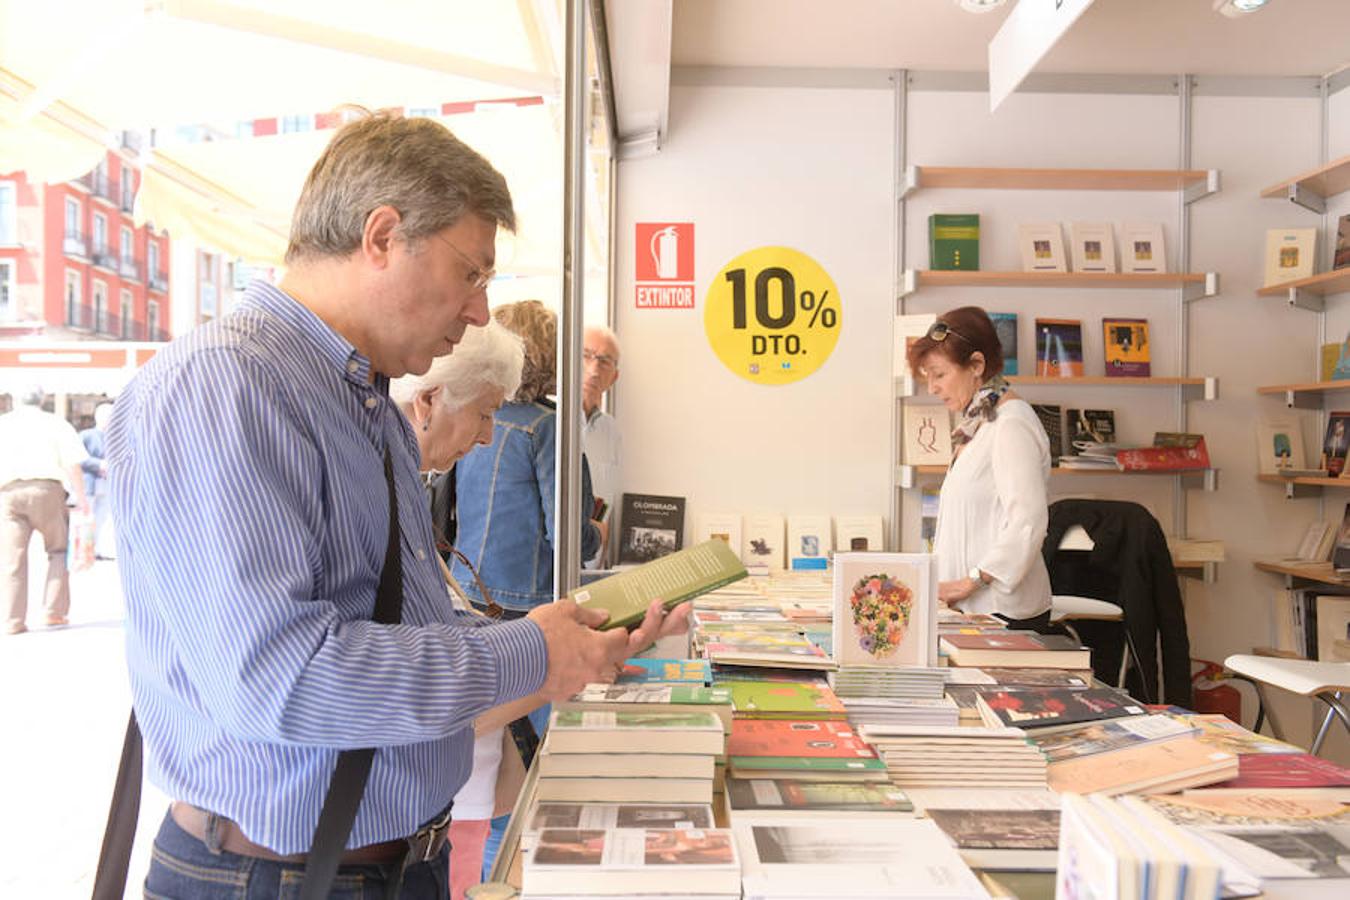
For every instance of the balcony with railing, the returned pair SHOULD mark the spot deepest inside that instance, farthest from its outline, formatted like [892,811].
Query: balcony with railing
[129,268]
[159,281]
[102,188]
[79,315]
[104,259]
[75,243]
[128,201]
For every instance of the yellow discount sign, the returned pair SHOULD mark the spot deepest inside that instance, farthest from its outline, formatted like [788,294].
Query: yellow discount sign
[772,315]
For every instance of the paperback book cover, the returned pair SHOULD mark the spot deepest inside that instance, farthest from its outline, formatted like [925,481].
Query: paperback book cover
[784,700]
[1171,451]
[1017,649]
[1042,246]
[809,543]
[1287,770]
[1289,254]
[1005,324]
[653,526]
[1052,420]
[1335,442]
[567,861]
[953,242]
[1342,257]
[1000,829]
[1090,426]
[908,329]
[809,739]
[641,670]
[1094,247]
[620,815]
[779,794]
[723,526]
[1059,348]
[763,542]
[1142,248]
[1160,766]
[672,579]
[1279,445]
[1332,354]
[1045,708]
[858,533]
[1127,347]
[1103,737]
[885,609]
[928,435]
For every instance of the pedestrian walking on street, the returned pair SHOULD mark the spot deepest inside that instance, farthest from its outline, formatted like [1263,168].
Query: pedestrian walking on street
[96,481]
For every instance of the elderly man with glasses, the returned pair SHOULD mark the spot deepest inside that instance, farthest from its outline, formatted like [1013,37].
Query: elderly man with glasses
[600,438]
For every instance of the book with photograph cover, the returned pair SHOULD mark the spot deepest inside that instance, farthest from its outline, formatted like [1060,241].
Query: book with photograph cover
[1127,347]
[652,526]
[620,815]
[810,542]
[1290,254]
[1279,444]
[1094,247]
[1335,443]
[778,739]
[1005,325]
[1059,348]
[593,861]
[954,241]
[1042,245]
[759,795]
[1103,737]
[1089,426]
[1003,839]
[1142,248]
[1046,710]
[885,609]
[1342,257]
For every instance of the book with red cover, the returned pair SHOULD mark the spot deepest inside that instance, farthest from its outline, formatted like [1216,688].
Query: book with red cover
[1016,649]
[815,739]
[1044,710]
[1287,770]
[1170,451]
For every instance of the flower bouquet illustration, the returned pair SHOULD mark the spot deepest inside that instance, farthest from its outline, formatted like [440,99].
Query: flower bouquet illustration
[881,606]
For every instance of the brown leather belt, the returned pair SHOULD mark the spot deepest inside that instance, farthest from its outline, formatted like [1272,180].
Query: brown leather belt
[423,846]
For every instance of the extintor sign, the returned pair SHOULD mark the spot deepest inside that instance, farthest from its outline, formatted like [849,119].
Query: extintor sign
[664,265]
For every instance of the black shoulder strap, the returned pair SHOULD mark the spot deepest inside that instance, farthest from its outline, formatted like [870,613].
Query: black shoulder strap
[344,791]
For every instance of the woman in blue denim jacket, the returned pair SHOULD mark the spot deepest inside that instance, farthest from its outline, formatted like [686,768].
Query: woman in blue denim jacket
[504,491]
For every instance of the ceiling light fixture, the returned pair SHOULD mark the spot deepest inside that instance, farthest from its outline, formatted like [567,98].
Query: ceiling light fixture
[1234,8]
[980,6]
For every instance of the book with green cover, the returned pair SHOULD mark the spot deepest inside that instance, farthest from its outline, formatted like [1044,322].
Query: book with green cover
[954,242]
[774,794]
[673,579]
[806,764]
[785,700]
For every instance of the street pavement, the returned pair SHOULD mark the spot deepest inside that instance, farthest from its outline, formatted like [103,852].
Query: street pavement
[63,713]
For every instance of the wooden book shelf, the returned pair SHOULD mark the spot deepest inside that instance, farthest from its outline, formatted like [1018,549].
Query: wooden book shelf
[1326,283]
[1059,179]
[1107,381]
[1319,573]
[966,278]
[1310,387]
[1324,181]
[1306,481]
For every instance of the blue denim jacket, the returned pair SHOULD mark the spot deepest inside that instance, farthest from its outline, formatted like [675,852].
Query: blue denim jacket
[504,502]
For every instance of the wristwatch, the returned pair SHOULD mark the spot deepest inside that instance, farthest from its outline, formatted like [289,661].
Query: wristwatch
[976,575]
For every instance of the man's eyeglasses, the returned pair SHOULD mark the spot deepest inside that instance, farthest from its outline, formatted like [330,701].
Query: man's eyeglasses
[478,276]
[940,331]
[603,360]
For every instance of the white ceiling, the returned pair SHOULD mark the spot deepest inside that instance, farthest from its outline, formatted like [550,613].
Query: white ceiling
[1289,37]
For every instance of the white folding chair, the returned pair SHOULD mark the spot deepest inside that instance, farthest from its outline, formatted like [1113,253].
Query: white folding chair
[1324,681]
[1065,609]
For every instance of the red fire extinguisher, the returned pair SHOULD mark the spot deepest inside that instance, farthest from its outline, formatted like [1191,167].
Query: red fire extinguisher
[1211,695]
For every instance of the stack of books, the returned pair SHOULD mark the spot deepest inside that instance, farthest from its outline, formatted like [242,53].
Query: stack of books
[801,751]
[605,816]
[1093,456]
[864,711]
[904,683]
[636,756]
[632,862]
[1016,649]
[755,699]
[958,756]
[664,697]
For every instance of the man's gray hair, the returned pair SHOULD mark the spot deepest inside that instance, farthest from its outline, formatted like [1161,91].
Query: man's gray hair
[609,335]
[30,395]
[414,165]
[487,357]
[102,415]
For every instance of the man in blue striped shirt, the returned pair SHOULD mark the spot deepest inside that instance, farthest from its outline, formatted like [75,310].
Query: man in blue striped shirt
[246,463]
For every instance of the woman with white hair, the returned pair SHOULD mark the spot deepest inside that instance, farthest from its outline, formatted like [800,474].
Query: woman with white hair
[451,410]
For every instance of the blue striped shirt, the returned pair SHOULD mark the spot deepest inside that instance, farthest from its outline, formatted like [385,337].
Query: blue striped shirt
[246,465]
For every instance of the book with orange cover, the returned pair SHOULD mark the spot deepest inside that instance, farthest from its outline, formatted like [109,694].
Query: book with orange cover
[775,745]
[1161,766]
[1169,452]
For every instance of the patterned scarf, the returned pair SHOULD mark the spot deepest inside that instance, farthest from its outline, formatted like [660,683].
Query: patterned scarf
[981,409]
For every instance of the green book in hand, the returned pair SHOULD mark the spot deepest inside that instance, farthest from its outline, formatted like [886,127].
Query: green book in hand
[672,579]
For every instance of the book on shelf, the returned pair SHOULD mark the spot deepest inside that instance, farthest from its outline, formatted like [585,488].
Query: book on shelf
[763,542]
[1335,442]
[1340,370]
[637,731]
[652,527]
[1340,552]
[724,527]
[791,798]
[1094,246]
[929,496]
[885,609]
[1290,254]
[1332,354]
[1042,246]
[1048,710]
[589,862]
[673,579]
[1279,445]
[1085,427]
[1005,326]
[1016,649]
[1170,451]
[928,435]
[1342,257]
[1157,766]
[954,241]
[1052,420]
[619,815]
[1142,247]
[1333,627]
[859,533]
[1127,347]
[809,543]
[901,858]
[1059,348]
[1003,839]
[643,670]
[908,329]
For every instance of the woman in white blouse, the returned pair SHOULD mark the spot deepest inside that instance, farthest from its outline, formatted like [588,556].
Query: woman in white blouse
[992,512]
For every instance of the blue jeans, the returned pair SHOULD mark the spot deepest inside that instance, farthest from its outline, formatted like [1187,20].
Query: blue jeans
[182,868]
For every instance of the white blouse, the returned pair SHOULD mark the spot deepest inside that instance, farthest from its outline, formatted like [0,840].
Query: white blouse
[993,513]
